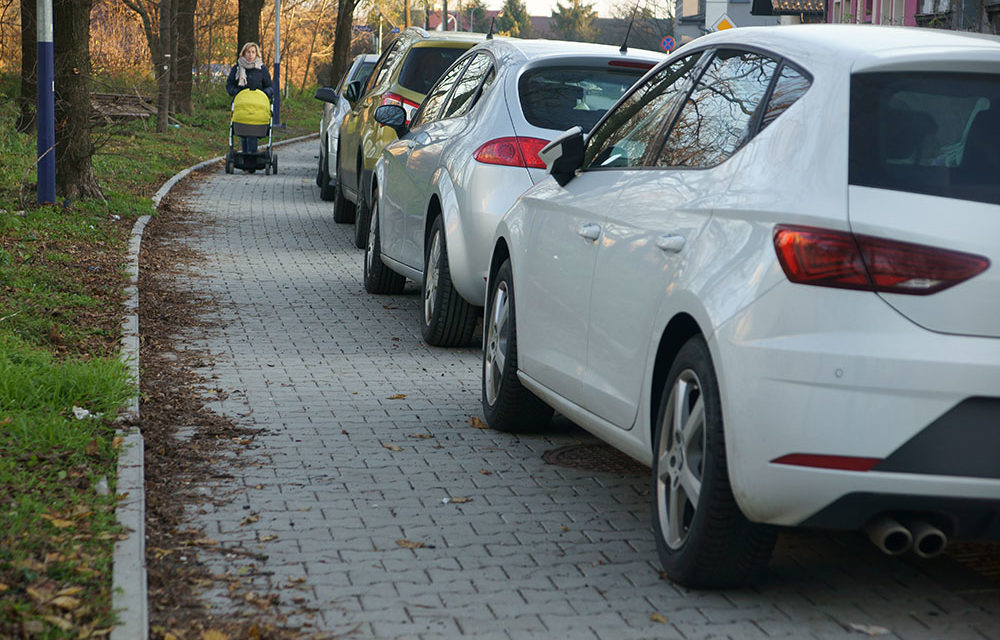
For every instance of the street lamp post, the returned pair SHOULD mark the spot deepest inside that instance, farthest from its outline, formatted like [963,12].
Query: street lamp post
[46,105]
[276,121]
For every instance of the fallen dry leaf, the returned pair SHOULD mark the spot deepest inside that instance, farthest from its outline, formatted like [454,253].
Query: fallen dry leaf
[3,587]
[269,537]
[476,423]
[249,520]
[91,448]
[396,396]
[392,447]
[67,603]
[57,522]
[656,617]
[486,472]
[212,634]
[421,436]
[116,443]
[6,421]
[460,500]
[870,629]
[61,623]
[410,544]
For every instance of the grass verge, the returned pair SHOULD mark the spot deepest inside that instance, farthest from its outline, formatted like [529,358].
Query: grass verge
[61,380]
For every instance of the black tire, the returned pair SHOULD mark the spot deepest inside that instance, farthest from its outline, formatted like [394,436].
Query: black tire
[319,166]
[704,541]
[448,320]
[343,209]
[274,163]
[378,277]
[267,168]
[327,190]
[507,405]
[362,220]
[229,162]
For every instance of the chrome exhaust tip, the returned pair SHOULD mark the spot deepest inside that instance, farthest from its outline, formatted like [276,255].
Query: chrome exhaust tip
[928,540]
[889,535]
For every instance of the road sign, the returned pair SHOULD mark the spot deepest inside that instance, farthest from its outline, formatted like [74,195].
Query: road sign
[362,27]
[667,44]
[723,23]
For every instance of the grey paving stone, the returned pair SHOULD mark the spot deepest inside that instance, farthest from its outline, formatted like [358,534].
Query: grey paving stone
[540,551]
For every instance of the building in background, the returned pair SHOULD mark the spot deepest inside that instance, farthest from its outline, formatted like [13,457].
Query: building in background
[694,18]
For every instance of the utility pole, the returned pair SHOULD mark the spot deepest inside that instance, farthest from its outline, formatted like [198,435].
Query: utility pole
[276,120]
[46,105]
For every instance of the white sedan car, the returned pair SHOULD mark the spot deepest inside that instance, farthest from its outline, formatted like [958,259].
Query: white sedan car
[470,150]
[769,273]
[336,107]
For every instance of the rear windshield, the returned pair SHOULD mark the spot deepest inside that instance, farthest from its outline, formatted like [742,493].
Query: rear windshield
[563,97]
[424,65]
[931,133]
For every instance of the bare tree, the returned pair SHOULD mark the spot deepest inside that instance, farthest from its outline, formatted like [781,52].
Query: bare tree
[342,39]
[183,65]
[163,73]
[29,61]
[71,39]
[248,22]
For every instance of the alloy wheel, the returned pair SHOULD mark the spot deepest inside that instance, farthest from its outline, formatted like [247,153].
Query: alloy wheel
[370,250]
[680,459]
[497,336]
[431,278]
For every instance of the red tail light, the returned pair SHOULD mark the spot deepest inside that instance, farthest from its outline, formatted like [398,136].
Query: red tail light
[819,461]
[394,98]
[631,64]
[828,258]
[512,152]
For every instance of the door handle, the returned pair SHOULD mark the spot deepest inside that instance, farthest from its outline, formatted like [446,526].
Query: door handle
[589,231]
[670,243]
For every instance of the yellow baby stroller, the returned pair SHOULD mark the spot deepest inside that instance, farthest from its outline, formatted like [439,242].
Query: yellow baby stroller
[251,118]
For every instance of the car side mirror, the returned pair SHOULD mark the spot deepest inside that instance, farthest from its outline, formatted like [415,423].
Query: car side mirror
[327,94]
[353,92]
[392,115]
[564,155]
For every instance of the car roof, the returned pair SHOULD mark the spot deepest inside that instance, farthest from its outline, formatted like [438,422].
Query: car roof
[532,49]
[444,36]
[846,45]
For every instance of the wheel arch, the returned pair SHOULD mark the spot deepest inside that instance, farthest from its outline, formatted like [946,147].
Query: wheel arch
[681,328]
[433,211]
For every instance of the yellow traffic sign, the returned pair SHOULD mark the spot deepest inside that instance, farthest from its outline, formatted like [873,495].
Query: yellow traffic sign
[723,23]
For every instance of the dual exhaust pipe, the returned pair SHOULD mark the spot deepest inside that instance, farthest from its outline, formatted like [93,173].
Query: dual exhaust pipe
[895,537]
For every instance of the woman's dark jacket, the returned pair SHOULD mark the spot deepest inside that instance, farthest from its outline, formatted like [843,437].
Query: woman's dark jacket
[256,79]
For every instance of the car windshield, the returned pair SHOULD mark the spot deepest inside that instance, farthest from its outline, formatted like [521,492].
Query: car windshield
[424,65]
[365,72]
[563,97]
[930,133]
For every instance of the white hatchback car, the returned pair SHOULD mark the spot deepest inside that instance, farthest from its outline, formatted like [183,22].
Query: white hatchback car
[471,149]
[768,273]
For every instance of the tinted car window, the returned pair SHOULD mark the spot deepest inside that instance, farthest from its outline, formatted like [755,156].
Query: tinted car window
[564,97]
[471,86]
[717,117]
[430,109]
[622,139]
[424,65]
[931,133]
[382,68]
[789,87]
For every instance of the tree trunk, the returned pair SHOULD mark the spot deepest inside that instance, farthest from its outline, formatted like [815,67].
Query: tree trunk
[181,91]
[71,36]
[147,28]
[342,40]
[163,73]
[29,61]
[248,23]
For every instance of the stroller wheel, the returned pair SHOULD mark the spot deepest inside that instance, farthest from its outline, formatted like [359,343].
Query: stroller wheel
[267,169]
[274,163]
[229,162]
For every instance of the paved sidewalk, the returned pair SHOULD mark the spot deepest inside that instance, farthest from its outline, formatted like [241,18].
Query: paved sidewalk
[367,445]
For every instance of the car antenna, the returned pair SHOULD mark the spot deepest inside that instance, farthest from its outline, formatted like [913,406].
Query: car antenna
[624,47]
[489,36]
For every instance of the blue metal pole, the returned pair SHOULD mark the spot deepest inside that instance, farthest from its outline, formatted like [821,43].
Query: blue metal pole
[276,121]
[46,105]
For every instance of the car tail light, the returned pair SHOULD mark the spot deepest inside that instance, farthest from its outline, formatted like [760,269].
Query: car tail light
[394,98]
[841,259]
[512,151]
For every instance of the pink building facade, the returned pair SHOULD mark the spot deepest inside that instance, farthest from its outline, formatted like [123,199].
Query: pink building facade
[898,12]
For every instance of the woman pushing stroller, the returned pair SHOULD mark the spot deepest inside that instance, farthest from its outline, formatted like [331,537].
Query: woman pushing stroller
[249,73]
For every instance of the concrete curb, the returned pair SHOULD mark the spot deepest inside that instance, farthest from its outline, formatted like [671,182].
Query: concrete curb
[128,576]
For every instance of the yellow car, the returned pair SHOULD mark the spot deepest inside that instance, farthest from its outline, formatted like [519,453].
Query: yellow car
[409,66]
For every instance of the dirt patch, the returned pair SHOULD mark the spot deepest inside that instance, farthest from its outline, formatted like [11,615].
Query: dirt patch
[173,404]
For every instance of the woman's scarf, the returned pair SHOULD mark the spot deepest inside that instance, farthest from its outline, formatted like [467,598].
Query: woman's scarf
[242,64]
